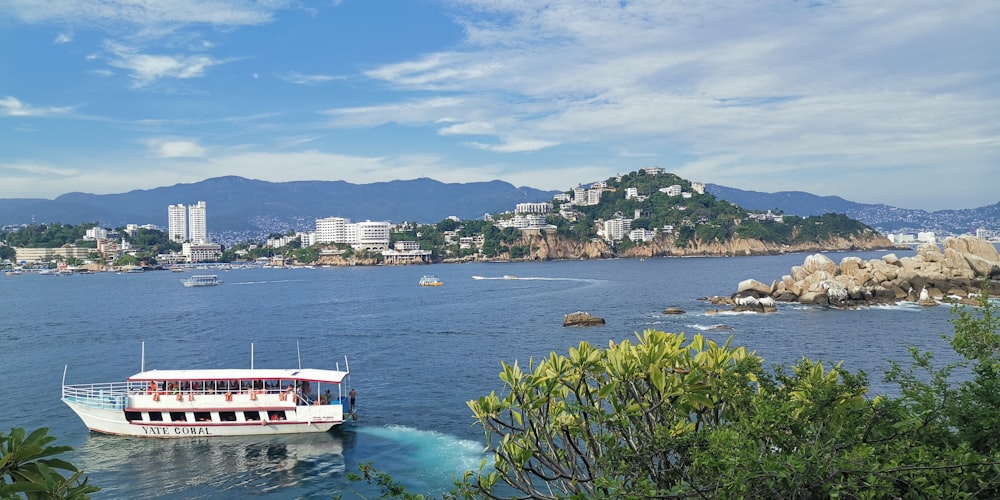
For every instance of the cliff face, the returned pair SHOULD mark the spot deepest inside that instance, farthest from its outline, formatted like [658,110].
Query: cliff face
[551,247]
[336,260]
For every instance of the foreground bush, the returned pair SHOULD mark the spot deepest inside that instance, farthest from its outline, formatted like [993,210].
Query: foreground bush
[672,417]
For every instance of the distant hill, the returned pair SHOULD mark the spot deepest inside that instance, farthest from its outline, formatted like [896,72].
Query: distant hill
[882,217]
[239,205]
[240,208]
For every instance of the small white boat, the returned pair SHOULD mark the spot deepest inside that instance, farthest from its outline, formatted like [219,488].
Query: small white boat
[214,402]
[430,281]
[202,280]
[509,277]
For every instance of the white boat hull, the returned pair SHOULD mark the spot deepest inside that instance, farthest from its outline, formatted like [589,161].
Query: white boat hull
[112,409]
[113,422]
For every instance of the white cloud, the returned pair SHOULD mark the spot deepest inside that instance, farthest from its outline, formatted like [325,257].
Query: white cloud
[514,145]
[303,79]
[62,38]
[164,148]
[146,69]
[145,13]
[468,128]
[11,106]
[407,112]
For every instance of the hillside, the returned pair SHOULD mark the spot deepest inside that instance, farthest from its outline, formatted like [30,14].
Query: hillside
[881,217]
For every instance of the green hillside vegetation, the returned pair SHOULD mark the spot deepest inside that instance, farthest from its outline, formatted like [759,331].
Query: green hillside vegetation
[706,218]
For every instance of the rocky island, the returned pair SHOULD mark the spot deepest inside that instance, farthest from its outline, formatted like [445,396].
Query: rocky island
[957,270]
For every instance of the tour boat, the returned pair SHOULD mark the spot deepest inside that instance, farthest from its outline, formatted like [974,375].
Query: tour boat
[214,402]
[202,280]
[430,281]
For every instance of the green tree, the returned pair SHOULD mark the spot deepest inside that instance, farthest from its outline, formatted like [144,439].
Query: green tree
[976,410]
[28,467]
[671,418]
[7,253]
[606,423]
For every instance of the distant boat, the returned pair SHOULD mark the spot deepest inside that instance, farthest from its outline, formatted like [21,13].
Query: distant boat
[430,281]
[202,280]
[509,277]
[14,272]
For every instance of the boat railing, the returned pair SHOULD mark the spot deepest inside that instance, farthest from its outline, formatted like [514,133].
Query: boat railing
[106,396]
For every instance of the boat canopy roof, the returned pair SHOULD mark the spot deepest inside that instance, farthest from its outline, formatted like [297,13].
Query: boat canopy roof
[310,374]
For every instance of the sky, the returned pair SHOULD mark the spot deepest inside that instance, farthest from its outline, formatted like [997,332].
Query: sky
[889,101]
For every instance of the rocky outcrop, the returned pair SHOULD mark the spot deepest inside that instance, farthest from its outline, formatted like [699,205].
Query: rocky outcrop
[336,260]
[581,318]
[740,246]
[673,310]
[549,246]
[957,270]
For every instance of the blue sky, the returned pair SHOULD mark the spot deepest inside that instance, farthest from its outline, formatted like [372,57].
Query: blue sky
[893,101]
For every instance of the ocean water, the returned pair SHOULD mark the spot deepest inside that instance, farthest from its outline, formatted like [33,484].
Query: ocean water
[416,355]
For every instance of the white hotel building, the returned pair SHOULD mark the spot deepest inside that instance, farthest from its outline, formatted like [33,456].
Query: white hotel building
[366,235]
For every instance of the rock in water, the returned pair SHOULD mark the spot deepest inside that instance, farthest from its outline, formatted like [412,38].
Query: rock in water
[581,318]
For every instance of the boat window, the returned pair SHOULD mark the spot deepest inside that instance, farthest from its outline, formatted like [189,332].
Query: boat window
[155,416]
[276,415]
[251,415]
[203,416]
[227,416]
[133,415]
[178,416]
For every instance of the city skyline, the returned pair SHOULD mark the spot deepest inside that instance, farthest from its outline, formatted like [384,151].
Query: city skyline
[892,103]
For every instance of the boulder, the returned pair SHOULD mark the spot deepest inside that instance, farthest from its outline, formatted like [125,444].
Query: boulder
[819,262]
[891,259]
[973,246]
[756,287]
[581,318]
[818,298]
[673,310]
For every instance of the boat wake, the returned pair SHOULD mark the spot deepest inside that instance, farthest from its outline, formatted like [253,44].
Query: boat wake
[264,282]
[530,278]
[435,453]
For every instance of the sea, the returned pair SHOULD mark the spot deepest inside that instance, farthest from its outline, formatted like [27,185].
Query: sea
[416,355]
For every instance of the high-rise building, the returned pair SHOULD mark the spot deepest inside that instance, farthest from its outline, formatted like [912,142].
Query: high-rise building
[187,223]
[197,229]
[177,222]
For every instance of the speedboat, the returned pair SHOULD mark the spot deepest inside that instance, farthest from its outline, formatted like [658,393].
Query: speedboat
[430,281]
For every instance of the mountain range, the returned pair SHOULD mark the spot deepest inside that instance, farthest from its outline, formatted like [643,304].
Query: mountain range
[254,207]
[884,218]
[241,209]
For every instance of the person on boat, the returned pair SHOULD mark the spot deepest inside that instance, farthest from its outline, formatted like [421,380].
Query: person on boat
[351,395]
[326,397]
[152,386]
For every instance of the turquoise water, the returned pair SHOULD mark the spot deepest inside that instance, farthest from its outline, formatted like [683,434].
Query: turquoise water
[416,354]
